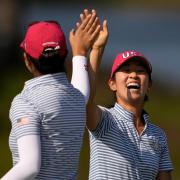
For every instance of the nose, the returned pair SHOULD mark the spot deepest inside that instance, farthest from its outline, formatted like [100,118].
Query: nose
[133,74]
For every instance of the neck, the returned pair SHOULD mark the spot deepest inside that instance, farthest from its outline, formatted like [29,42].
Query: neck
[36,74]
[136,109]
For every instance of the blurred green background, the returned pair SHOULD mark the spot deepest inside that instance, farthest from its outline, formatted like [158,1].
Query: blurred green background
[150,27]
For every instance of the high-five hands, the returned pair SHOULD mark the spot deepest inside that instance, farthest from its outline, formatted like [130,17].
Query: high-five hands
[102,37]
[86,33]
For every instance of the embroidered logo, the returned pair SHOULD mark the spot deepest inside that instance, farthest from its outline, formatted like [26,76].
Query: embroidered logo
[86,67]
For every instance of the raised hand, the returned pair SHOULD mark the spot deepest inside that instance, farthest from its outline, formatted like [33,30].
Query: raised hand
[86,33]
[102,37]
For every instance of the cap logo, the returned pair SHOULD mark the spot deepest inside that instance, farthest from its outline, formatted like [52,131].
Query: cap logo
[50,48]
[127,54]
[57,47]
[49,43]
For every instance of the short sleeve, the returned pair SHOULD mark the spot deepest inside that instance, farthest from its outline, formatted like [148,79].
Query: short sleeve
[24,117]
[165,163]
[104,125]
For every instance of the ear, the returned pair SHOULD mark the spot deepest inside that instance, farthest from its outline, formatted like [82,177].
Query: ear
[112,84]
[28,63]
[149,86]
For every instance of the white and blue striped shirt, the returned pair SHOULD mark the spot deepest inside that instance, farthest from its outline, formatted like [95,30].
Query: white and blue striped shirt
[117,151]
[56,112]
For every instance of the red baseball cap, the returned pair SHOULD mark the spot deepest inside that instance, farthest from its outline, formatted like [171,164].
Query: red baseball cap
[41,35]
[127,55]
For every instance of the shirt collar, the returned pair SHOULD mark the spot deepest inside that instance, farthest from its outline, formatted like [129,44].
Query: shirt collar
[127,115]
[48,78]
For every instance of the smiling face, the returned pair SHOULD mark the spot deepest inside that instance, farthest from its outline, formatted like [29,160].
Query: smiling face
[131,83]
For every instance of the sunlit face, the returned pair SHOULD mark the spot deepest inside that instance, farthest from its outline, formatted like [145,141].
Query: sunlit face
[131,83]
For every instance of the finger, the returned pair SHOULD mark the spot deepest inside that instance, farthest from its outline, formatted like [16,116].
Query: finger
[86,12]
[105,27]
[72,31]
[93,11]
[96,32]
[82,17]
[94,25]
[85,21]
[77,25]
[91,21]
[71,34]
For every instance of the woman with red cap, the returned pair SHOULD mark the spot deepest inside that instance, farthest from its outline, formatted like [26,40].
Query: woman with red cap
[124,143]
[48,116]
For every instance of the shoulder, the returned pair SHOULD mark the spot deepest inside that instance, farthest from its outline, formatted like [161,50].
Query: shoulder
[155,129]
[17,101]
[103,108]
[21,106]
[22,100]
[158,132]
[106,116]
[106,112]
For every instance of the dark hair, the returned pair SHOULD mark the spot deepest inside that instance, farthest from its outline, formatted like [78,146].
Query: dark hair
[49,62]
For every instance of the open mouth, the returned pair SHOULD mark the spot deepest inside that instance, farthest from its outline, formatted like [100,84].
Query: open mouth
[133,86]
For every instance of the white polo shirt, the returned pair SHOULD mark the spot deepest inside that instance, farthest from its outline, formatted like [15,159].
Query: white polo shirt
[56,111]
[117,151]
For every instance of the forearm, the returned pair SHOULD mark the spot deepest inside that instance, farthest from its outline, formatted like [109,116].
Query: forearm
[30,159]
[21,171]
[80,78]
[94,66]
[93,111]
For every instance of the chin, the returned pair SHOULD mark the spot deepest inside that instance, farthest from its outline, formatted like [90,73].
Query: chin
[135,99]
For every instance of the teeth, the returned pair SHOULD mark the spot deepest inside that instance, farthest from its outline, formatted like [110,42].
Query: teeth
[133,86]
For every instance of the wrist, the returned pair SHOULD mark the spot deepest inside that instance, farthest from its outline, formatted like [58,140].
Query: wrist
[80,53]
[98,48]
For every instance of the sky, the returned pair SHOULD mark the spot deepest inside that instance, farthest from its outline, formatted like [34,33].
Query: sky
[155,33]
